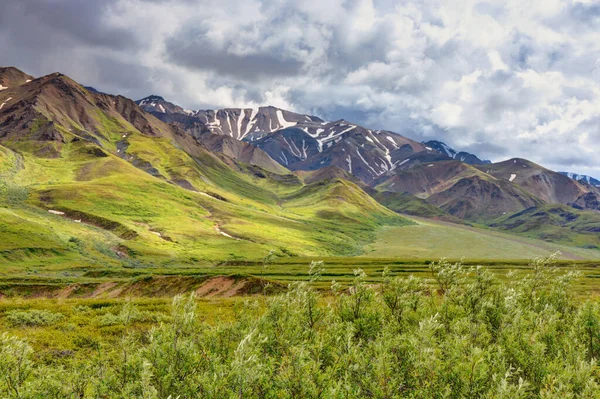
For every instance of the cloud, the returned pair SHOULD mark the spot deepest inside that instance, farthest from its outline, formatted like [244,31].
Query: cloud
[196,51]
[498,79]
[61,23]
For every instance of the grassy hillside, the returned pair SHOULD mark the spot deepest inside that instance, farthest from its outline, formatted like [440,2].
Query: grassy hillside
[409,204]
[429,239]
[136,207]
[555,223]
[150,195]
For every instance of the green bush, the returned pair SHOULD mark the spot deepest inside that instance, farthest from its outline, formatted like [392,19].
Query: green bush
[460,334]
[33,318]
[12,194]
[129,314]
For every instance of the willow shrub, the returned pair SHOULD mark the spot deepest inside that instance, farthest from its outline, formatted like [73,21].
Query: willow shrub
[461,334]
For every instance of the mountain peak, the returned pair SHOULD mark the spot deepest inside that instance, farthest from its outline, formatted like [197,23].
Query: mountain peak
[157,104]
[582,178]
[450,152]
[150,98]
[11,77]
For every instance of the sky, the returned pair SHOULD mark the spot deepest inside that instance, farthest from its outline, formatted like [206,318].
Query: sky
[500,79]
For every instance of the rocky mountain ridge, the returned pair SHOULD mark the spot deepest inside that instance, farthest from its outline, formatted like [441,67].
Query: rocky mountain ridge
[457,182]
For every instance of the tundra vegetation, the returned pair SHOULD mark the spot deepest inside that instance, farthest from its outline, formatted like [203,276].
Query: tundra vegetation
[460,333]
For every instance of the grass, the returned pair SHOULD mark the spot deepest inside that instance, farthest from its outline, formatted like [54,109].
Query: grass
[104,191]
[82,324]
[163,282]
[459,331]
[556,223]
[431,239]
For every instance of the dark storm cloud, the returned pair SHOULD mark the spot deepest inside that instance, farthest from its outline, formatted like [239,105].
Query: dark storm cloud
[45,36]
[347,56]
[193,50]
[123,77]
[487,149]
[41,23]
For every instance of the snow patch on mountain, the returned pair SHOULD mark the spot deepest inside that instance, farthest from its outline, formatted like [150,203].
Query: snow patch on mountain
[582,178]
[282,122]
[444,149]
[5,102]
[367,164]
[240,119]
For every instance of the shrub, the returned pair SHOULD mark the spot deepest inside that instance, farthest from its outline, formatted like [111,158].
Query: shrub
[16,365]
[33,318]
[129,314]
[460,334]
[12,194]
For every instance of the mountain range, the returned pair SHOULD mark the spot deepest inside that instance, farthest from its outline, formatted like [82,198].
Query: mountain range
[149,181]
[457,182]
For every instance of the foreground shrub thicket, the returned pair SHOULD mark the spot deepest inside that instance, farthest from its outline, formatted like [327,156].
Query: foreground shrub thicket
[462,334]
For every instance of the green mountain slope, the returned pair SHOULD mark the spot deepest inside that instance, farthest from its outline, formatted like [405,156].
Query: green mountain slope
[93,179]
[555,223]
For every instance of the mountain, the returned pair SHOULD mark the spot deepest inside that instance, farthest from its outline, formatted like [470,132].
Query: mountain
[219,143]
[45,114]
[452,153]
[549,186]
[239,151]
[484,192]
[239,123]
[91,179]
[555,223]
[158,104]
[251,123]
[364,153]
[11,77]
[582,178]
[460,184]
[299,142]
[459,189]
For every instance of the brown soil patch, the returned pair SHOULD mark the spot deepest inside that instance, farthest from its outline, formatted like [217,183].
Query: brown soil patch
[149,287]
[67,291]
[221,286]
[104,288]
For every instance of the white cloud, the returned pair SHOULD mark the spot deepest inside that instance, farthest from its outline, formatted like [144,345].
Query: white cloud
[503,78]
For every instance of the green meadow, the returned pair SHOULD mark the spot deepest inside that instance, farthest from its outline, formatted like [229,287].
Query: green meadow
[461,331]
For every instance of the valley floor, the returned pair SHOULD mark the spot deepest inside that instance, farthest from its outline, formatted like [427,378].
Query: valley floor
[430,239]
[463,331]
